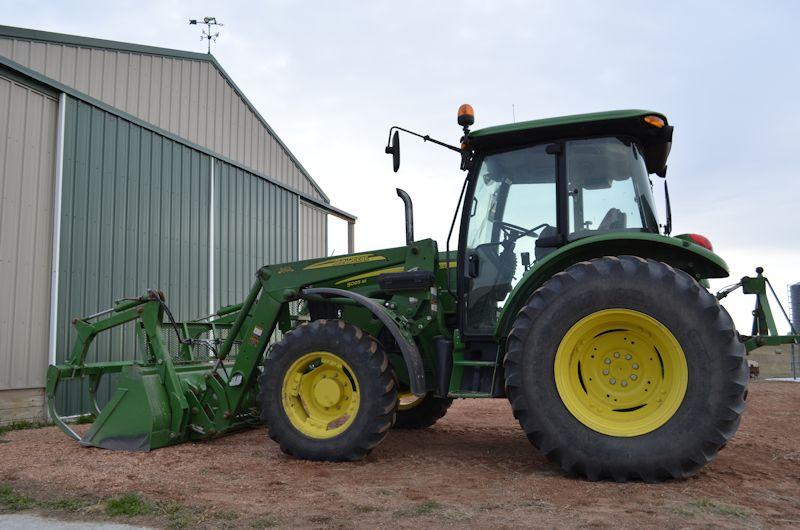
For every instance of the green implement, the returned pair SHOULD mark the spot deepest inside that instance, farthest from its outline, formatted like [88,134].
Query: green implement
[764,331]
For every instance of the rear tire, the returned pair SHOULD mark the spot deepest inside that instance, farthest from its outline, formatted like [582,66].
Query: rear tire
[422,413]
[561,388]
[327,392]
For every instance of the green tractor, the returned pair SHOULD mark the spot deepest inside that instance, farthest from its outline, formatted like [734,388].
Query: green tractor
[562,296]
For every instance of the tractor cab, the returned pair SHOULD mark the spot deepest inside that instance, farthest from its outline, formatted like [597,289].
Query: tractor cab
[537,186]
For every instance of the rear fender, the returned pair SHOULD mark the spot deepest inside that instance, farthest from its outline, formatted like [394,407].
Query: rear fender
[411,355]
[695,260]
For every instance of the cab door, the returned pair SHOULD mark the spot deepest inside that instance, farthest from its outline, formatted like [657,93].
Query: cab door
[511,202]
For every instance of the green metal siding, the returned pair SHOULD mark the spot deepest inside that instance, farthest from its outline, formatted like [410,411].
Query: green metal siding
[255,224]
[134,216]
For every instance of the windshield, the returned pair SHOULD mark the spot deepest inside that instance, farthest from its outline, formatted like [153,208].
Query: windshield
[609,188]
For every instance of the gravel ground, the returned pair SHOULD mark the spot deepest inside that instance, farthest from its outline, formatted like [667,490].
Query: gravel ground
[474,468]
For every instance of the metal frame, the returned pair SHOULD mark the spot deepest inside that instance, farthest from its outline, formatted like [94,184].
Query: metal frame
[211,235]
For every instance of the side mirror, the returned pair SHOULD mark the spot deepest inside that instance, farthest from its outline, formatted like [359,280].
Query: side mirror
[394,149]
[525,257]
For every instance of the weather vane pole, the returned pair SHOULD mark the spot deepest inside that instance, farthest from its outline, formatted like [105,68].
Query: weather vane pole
[207,35]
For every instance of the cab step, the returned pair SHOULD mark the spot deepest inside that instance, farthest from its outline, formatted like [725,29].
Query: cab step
[475,363]
[469,394]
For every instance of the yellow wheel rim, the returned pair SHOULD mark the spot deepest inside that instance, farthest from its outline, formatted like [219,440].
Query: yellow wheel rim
[407,400]
[320,395]
[621,372]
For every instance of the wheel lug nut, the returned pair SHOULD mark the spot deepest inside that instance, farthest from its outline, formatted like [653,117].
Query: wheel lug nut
[612,381]
[607,360]
[635,366]
[624,383]
[605,372]
[633,377]
[616,355]
[628,357]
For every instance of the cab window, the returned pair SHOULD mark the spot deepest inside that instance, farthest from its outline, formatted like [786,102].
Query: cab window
[609,188]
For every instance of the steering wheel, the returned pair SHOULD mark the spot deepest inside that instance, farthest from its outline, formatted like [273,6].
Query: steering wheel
[514,232]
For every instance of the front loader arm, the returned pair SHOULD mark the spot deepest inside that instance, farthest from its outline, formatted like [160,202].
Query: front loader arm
[178,393]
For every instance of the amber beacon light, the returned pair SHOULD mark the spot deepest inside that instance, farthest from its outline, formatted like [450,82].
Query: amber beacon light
[466,116]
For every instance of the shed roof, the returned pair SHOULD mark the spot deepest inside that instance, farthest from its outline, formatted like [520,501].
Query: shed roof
[90,42]
[46,84]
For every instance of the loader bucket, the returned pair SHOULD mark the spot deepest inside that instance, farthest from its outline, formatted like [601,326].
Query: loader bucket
[136,418]
[176,391]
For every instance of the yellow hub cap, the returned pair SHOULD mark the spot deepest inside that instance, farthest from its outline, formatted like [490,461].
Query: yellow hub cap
[320,395]
[621,372]
[407,400]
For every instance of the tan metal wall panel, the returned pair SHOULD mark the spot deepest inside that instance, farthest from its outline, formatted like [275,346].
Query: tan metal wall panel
[186,97]
[28,121]
[312,232]
[82,67]
[68,62]
[96,63]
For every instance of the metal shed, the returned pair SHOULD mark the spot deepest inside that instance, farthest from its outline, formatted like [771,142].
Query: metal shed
[128,167]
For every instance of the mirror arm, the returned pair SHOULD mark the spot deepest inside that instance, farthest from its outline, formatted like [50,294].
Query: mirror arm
[424,137]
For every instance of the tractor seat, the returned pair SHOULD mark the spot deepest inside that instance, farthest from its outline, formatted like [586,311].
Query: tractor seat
[540,252]
[615,219]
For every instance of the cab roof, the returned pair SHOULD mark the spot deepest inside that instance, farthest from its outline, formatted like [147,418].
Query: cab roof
[654,141]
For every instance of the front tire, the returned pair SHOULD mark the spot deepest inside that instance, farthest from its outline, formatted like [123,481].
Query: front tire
[625,368]
[327,392]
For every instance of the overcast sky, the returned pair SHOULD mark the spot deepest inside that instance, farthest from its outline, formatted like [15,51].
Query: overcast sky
[331,77]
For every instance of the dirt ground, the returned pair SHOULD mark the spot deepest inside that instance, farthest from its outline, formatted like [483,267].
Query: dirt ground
[475,468]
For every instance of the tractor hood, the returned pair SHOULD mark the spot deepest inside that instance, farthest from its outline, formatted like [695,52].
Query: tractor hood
[653,134]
